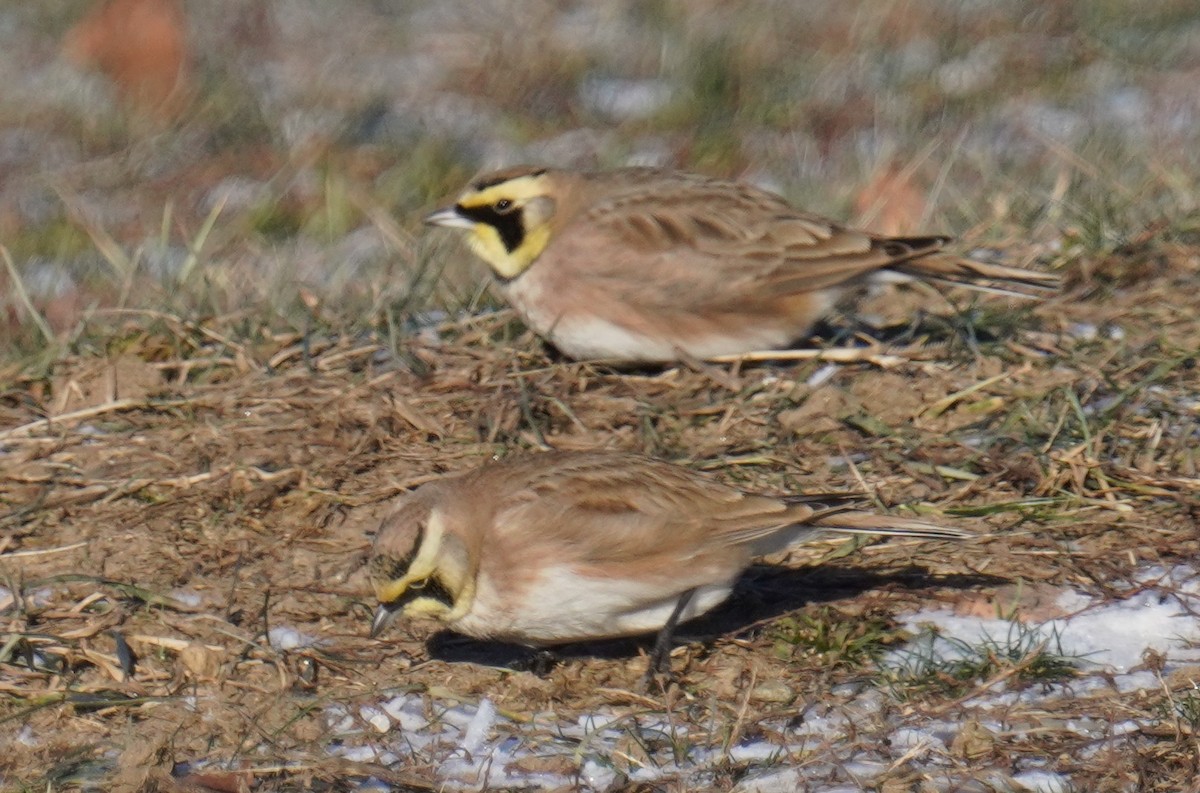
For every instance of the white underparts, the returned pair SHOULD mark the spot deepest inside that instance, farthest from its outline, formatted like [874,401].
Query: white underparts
[564,606]
[585,333]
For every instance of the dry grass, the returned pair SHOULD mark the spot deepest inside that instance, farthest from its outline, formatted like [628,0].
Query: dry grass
[182,506]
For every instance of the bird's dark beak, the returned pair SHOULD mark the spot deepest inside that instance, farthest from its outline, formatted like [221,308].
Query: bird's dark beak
[449,218]
[383,615]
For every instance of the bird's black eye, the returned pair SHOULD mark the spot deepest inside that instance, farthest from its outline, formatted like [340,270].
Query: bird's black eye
[503,205]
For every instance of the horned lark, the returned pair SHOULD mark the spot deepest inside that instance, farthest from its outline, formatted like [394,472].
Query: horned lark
[647,265]
[569,546]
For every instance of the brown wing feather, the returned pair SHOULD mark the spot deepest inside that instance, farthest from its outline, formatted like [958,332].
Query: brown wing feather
[720,242]
[620,508]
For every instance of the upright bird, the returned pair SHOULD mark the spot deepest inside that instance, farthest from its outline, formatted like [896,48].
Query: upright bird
[649,265]
[560,547]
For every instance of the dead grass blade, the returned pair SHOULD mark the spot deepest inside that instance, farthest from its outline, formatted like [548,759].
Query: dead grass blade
[18,286]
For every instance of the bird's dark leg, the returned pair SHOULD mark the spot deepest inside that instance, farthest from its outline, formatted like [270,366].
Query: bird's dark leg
[908,333]
[660,656]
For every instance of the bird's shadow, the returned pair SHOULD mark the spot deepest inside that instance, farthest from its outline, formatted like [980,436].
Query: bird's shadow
[763,593]
[960,326]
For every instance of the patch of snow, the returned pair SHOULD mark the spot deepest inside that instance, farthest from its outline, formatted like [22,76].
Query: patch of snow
[756,750]
[1137,681]
[594,722]
[408,711]
[596,775]
[359,754]
[782,780]
[1070,601]
[39,597]
[491,772]
[187,597]
[915,742]
[1113,635]
[863,769]
[832,724]
[1043,782]
[480,725]
[339,720]
[458,716]
[285,638]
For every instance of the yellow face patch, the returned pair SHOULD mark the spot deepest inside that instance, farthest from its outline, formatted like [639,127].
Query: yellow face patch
[431,608]
[485,241]
[506,234]
[436,583]
[423,565]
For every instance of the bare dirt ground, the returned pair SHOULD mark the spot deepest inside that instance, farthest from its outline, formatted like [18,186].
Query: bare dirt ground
[221,357]
[196,510]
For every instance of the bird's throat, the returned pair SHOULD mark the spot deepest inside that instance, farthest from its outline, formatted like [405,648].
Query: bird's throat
[489,245]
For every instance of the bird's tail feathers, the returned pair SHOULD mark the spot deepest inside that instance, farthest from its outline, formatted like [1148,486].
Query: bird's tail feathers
[981,276]
[846,521]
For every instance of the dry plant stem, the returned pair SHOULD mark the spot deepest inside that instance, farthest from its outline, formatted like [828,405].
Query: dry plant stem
[43,551]
[18,286]
[835,355]
[87,413]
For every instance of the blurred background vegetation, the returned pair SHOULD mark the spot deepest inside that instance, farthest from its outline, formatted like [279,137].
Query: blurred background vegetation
[251,166]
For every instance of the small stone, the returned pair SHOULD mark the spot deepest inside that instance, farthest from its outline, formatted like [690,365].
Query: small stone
[202,662]
[379,721]
[973,742]
[772,691]
[898,784]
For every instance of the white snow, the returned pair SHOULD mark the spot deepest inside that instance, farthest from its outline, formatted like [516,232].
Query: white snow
[360,754]
[39,597]
[1043,782]
[284,638]
[187,597]
[916,739]
[782,780]
[1112,635]
[755,750]
[479,726]
[408,711]
[1136,681]
[596,775]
